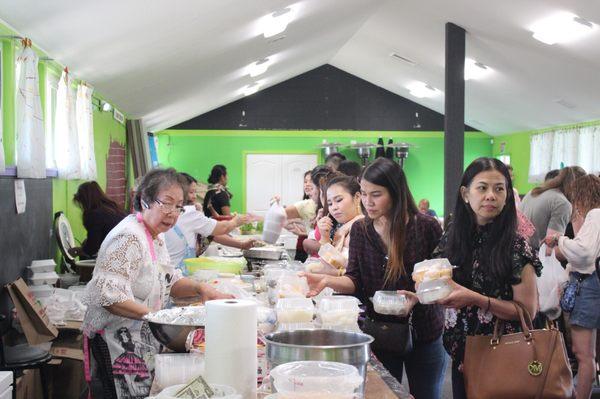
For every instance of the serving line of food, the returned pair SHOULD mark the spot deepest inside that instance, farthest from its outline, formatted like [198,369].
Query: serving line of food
[298,347]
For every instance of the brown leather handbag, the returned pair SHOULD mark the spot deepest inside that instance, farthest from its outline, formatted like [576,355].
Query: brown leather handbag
[525,365]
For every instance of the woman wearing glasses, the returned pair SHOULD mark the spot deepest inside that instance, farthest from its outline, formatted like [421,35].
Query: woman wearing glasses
[134,276]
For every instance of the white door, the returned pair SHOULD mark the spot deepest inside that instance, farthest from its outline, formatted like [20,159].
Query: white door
[268,175]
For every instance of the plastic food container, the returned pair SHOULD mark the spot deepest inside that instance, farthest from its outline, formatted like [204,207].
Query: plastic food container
[221,391]
[433,290]
[290,285]
[332,257]
[294,310]
[390,303]
[42,266]
[42,291]
[316,379]
[177,368]
[338,311]
[432,269]
[44,278]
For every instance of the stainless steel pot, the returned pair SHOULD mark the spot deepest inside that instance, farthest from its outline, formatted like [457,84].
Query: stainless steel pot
[325,345]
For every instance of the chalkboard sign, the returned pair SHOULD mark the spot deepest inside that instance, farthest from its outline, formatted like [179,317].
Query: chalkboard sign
[26,236]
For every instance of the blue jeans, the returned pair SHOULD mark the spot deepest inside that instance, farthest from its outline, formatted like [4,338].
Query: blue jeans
[425,368]
[458,383]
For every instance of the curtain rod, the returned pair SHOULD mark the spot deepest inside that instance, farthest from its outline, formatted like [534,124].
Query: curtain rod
[567,127]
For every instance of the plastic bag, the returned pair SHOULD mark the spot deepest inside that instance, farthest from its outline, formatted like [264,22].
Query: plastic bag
[274,221]
[550,283]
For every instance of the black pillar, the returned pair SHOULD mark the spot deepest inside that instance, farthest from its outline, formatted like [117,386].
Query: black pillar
[454,115]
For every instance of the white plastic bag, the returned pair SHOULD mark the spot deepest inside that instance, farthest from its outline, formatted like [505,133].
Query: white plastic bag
[275,219]
[550,282]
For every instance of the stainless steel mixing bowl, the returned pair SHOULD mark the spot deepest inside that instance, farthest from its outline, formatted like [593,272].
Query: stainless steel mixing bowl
[173,336]
[326,345]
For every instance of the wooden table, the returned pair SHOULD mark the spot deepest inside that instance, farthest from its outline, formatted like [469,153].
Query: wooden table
[381,384]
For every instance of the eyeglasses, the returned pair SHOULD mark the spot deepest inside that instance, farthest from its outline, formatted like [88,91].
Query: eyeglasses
[169,208]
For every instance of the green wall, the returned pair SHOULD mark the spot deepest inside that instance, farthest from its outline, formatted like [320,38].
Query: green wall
[106,129]
[196,152]
[517,145]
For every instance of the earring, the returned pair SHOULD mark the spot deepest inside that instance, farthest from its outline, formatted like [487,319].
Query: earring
[466,201]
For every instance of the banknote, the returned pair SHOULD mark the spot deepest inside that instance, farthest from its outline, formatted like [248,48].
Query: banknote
[196,389]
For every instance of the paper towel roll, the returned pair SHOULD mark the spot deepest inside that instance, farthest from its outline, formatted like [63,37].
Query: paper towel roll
[230,354]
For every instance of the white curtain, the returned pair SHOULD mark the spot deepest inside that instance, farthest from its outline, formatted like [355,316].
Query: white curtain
[30,151]
[540,157]
[66,141]
[49,116]
[564,147]
[85,131]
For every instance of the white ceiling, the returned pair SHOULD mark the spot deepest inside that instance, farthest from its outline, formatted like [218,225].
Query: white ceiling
[166,61]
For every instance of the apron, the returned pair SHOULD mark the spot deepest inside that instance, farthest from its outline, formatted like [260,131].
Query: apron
[190,252]
[131,344]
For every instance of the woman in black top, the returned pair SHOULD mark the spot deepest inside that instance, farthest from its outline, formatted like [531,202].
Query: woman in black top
[217,199]
[100,216]
[495,265]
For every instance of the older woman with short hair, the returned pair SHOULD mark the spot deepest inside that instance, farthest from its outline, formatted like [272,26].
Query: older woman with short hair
[133,277]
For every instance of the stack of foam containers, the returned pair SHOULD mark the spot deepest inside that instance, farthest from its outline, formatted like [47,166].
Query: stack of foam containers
[6,387]
[41,277]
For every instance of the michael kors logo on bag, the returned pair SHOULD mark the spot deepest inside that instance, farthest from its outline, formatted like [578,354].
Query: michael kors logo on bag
[535,368]
[512,342]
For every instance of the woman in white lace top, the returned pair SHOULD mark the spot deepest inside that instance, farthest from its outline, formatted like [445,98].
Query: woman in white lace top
[134,276]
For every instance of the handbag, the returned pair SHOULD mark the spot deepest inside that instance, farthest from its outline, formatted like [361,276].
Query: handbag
[390,337]
[524,365]
[570,292]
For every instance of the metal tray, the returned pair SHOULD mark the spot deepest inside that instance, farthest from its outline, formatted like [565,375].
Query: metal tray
[269,253]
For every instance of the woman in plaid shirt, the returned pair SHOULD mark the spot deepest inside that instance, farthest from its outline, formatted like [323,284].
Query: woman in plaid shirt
[384,248]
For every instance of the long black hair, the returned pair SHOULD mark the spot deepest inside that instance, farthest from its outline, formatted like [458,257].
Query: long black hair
[387,173]
[497,249]
[90,197]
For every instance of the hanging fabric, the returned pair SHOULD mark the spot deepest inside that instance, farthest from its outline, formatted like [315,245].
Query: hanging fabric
[66,142]
[31,146]
[85,131]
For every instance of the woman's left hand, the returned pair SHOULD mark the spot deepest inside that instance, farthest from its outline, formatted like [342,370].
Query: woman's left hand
[459,297]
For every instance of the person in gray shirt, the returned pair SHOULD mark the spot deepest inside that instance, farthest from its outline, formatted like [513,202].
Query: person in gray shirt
[548,207]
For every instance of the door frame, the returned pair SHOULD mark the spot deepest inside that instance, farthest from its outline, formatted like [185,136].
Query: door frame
[271,152]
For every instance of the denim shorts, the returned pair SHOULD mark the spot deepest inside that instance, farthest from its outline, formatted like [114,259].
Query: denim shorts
[587,304]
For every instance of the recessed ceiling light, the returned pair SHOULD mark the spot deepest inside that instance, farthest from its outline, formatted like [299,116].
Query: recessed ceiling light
[422,90]
[251,89]
[259,67]
[475,70]
[561,28]
[275,23]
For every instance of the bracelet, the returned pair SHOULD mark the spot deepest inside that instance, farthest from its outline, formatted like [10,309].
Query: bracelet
[489,304]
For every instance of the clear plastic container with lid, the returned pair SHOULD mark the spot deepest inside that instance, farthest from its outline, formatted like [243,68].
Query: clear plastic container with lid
[432,269]
[316,379]
[294,310]
[433,290]
[390,303]
[338,311]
